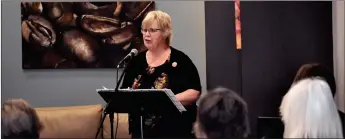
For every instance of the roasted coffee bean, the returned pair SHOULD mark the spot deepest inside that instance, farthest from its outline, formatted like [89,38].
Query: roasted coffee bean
[135,10]
[31,7]
[80,34]
[124,35]
[60,12]
[39,31]
[98,25]
[105,9]
[81,45]
[65,64]
[118,9]
[51,59]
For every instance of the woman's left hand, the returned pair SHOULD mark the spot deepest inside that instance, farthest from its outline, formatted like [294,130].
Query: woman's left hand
[188,97]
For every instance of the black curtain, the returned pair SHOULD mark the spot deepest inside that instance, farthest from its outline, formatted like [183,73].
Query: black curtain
[221,56]
[277,38]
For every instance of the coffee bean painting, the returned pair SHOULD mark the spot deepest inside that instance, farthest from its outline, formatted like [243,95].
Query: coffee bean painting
[64,35]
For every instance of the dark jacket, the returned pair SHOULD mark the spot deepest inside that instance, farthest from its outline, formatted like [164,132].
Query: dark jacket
[342,118]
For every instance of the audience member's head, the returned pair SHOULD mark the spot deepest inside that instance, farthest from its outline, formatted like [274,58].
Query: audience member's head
[316,70]
[19,120]
[222,114]
[308,111]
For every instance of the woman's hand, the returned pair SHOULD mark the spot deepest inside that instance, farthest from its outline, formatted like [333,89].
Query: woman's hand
[188,97]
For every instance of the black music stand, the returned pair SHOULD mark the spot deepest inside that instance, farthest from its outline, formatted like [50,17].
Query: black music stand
[141,101]
[270,127]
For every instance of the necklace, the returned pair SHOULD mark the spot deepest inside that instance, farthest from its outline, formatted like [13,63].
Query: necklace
[150,69]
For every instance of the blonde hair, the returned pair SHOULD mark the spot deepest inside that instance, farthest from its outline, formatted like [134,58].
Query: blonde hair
[164,22]
[309,111]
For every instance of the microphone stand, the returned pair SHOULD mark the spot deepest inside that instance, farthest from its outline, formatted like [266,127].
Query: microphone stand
[108,110]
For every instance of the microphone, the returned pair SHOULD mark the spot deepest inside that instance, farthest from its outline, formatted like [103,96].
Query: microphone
[134,52]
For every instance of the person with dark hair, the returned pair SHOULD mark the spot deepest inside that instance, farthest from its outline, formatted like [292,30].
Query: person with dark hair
[319,70]
[222,114]
[316,70]
[309,111]
[19,120]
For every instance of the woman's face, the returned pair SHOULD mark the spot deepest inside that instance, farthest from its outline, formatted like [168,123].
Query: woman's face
[152,35]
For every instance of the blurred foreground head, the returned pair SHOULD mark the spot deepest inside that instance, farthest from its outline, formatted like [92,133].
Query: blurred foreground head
[19,120]
[222,114]
[308,111]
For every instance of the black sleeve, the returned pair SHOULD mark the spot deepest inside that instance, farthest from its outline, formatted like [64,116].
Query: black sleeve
[342,119]
[190,77]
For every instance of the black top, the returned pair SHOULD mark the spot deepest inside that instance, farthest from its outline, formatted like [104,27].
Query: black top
[342,119]
[179,74]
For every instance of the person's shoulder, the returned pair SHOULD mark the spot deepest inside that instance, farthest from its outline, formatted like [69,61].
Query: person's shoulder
[182,58]
[179,54]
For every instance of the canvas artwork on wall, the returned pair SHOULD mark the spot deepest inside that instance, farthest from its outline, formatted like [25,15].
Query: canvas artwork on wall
[238,25]
[65,35]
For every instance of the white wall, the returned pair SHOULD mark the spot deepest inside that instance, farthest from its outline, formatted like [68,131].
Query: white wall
[188,21]
[338,49]
[78,87]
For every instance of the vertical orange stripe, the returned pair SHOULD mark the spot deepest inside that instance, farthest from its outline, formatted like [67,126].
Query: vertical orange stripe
[238,25]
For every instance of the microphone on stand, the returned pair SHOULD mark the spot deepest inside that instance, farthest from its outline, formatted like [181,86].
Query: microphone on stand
[134,52]
[107,109]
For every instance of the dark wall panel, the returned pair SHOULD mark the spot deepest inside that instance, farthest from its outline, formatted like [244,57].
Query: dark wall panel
[278,37]
[222,59]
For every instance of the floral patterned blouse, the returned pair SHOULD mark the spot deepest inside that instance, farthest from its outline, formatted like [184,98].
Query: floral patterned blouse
[179,74]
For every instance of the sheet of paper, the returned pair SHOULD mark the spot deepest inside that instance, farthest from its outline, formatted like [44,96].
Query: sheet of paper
[104,89]
[177,103]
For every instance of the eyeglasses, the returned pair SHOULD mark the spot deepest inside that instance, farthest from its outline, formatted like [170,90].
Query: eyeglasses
[150,30]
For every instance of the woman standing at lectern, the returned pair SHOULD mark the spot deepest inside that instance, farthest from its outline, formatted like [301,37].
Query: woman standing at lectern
[162,66]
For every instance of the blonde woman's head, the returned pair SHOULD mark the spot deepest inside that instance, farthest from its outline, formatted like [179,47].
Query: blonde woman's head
[156,29]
